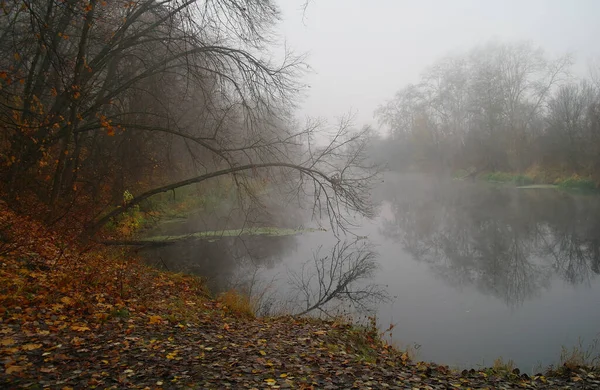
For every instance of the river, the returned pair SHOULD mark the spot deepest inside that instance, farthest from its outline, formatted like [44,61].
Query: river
[474,271]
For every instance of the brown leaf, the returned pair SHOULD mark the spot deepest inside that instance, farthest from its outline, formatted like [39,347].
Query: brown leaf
[13,369]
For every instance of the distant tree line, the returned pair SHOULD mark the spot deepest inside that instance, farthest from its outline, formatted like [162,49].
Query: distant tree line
[497,107]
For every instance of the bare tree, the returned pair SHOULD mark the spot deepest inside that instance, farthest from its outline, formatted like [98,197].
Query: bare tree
[154,95]
[483,109]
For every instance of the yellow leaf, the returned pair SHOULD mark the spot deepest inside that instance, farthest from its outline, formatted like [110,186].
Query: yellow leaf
[283,376]
[270,381]
[31,347]
[155,320]
[13,369]
[78,328]
[67,300]
[7,341]
[262,352]
[320,332]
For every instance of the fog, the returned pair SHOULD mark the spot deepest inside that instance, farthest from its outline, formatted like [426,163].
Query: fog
[228,139]
[362,52]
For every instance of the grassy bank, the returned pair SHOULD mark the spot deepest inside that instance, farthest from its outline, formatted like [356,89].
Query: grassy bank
[75,317]
[572,182]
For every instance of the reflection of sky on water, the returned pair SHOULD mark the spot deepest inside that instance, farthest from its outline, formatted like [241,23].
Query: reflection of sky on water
[477,272]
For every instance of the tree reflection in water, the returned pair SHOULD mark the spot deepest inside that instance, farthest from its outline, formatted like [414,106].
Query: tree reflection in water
[508,242]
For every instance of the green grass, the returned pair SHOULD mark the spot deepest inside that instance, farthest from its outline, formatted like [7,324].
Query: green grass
[540,186]
[504,177]
[578,183]
[215,234]
[526,181]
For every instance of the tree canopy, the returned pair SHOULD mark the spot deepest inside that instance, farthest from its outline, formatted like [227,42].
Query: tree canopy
[99,98]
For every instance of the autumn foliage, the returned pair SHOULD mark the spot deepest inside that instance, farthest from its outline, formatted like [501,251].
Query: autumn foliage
[49,285]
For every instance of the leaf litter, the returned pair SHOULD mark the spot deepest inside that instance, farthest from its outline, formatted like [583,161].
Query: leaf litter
[99,319]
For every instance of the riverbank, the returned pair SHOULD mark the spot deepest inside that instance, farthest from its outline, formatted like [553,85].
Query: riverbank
[540,179]
[73,317]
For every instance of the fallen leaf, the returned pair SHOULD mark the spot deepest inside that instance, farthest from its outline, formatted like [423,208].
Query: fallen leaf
[7,341]
[31,347]
[13,369]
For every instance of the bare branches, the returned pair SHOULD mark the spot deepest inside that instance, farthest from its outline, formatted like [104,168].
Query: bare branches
[340,177]
[339,278]
[154,95]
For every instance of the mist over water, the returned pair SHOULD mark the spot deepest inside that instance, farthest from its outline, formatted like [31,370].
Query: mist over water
[475,271]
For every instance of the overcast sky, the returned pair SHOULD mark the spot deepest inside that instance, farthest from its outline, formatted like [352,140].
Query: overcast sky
[363,51]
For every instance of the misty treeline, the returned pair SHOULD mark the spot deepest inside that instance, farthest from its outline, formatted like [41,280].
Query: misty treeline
[498,107]
[103,97]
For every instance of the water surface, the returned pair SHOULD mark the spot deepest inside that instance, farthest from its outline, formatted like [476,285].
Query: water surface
[475,271]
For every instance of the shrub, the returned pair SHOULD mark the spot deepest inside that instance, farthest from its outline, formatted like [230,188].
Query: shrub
[236,304]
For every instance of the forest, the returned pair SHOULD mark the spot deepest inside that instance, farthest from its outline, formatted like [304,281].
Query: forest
[153,150]
[105,104]
[499,107]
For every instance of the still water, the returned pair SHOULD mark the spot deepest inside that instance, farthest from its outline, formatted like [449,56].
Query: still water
[474,272]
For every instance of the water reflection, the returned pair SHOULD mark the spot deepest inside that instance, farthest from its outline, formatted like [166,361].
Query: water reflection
[225,263]
[507,242]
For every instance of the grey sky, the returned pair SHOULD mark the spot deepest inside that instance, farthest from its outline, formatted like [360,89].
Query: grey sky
[363,51]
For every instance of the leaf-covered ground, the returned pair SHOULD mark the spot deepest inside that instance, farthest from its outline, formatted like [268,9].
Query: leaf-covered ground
[98,319]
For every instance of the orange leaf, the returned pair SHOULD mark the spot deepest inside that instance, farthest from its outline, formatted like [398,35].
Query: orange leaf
[78,328]
[31,347]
